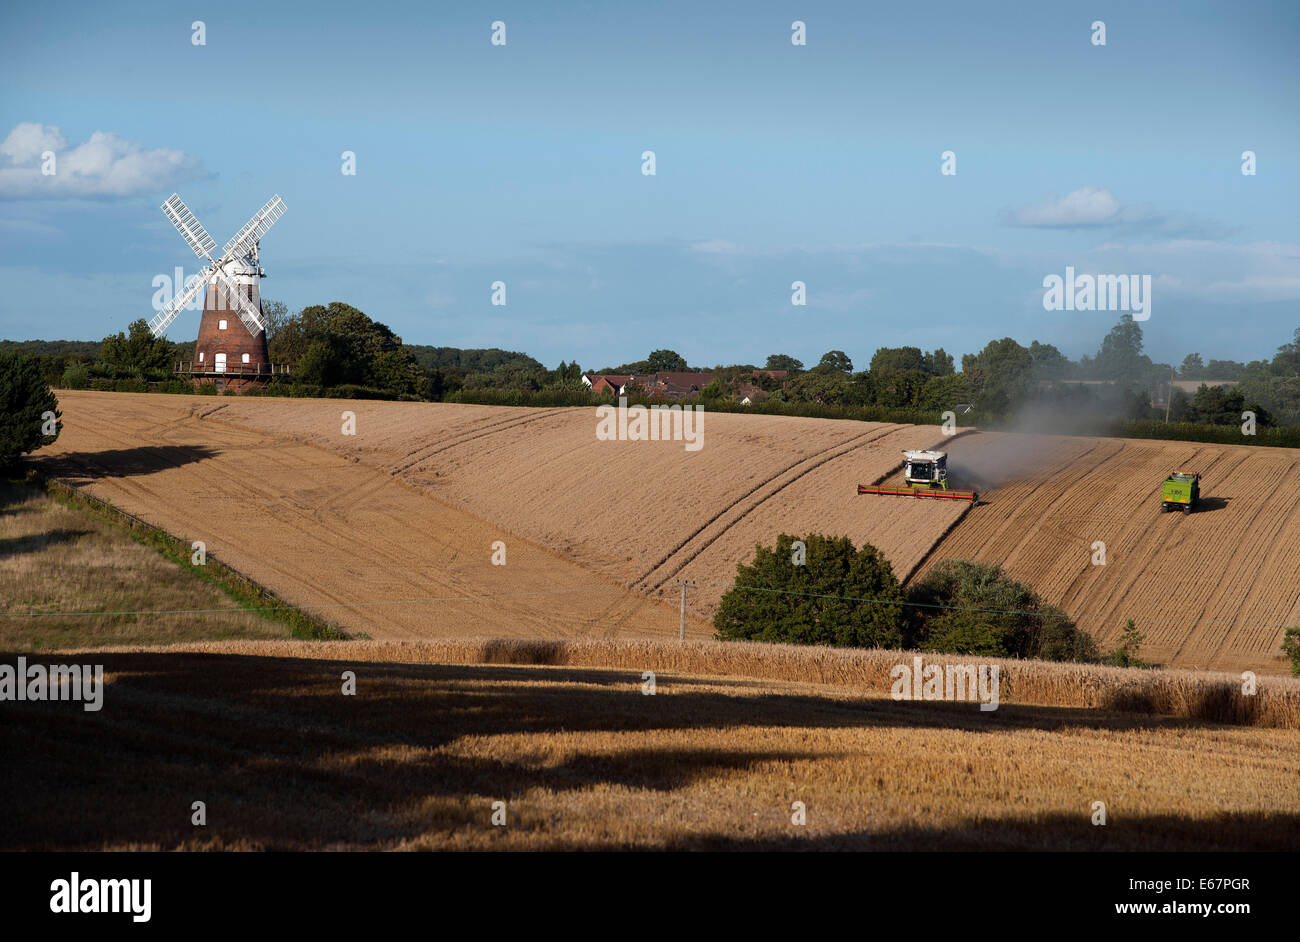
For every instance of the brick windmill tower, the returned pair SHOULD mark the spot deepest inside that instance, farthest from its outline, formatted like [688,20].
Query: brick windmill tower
[232,357]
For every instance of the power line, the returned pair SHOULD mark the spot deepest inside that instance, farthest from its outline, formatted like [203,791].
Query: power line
[514,595]
[212,611]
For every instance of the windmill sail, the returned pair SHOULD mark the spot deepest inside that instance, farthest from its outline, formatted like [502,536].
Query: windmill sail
[162,320]
[232,256]
[189,227]
[255,228]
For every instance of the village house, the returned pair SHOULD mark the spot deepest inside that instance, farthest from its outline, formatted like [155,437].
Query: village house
[674,385]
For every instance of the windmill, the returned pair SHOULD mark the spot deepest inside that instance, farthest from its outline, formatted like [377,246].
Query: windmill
[225,356]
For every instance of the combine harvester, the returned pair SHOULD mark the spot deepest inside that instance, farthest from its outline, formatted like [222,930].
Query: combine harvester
[925,474]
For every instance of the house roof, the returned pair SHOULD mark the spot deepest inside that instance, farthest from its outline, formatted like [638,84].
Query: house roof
[687,380]
[617,382]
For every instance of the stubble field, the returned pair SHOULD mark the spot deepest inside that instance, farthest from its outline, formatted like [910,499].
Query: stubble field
[584,758]
[329,534]
[407,508]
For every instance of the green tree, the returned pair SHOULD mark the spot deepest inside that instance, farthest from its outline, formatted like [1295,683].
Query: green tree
[888,359]
[862,390]
[939,363]
[835,361]
[1180,407]
[833,595]
[360,351]
[1049,363]
[26,404]
[1223,405]
[137,354]
[942,393]
[899,389]
[999,376]
[566,376]
[1291,644]
[1126,654]
[1224,369]
[713,392]
[396,371]
[275,314]
[823,387]
[964,607]
[780,361]
[1287,360]
[1193,367]
[322,363]
[1120,358]
[666,361]
[76,376]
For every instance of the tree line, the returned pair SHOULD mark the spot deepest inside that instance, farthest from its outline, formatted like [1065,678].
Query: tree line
[336,349]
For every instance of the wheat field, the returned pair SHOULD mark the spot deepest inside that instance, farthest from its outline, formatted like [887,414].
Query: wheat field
[583,758]
[389,531]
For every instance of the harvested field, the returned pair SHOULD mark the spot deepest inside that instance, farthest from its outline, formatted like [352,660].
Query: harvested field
[584,760]
[1212,591]
[643,513]
[330,534]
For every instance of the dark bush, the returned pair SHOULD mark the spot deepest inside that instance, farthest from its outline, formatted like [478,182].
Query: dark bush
[26,403]
[828,594]
[965,607]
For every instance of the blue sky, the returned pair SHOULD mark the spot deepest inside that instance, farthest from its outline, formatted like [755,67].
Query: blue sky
[775,163]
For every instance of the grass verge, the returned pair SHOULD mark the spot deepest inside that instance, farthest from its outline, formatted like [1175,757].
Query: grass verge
[104,585]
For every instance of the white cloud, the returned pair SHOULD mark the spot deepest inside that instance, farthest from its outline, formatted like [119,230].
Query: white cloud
[1244,272]
[1086,206]
[1094,207]
[28,140]
[104,166]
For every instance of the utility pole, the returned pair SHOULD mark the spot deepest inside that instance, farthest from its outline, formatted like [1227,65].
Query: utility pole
[685,585]
[1169,396]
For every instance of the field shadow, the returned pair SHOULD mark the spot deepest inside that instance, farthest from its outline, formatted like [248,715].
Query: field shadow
[13,494]
[1206,504]
[17,545]
[284,760]
[77,467]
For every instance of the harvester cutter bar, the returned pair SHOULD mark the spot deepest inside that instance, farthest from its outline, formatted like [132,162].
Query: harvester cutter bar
[918,492]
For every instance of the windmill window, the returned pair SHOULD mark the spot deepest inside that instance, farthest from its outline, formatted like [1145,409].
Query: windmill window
[221,325]
[200,356]
[245,358]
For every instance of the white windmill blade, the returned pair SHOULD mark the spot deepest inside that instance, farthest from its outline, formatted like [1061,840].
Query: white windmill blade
[162,320]
[248,312]
[255,228]
[189,227]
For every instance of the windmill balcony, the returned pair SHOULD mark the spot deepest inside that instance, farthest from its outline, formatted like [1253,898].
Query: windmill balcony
[259,370]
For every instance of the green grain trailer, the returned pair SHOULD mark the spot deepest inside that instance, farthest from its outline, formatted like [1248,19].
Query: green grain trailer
[1181,491]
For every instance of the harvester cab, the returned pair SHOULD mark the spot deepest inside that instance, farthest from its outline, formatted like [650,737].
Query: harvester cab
[929,468]
[925,474]
[1180,491]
